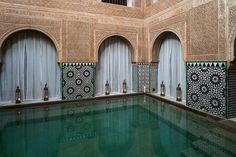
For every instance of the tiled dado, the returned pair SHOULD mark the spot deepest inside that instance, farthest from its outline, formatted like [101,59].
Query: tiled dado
[207,87]
[143,77]
[77,80]
[153,78]
[147,76]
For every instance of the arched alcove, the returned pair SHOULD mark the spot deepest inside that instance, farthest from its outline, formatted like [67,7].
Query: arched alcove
[157,44]
[125,38]
[18,29]
[168,53]
[114,65]
[29,61]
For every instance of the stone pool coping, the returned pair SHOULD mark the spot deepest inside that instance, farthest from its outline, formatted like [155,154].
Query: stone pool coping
[226,122]
[168,100]
[53,102]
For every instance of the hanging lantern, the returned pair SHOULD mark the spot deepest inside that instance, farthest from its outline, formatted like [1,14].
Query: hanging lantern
[107,91]
[124,87]
[18,95]
[163,89]
[178,93]
[45,92]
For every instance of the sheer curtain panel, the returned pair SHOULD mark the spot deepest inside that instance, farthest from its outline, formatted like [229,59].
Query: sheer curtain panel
[114,65]
[29,62]
[171,67]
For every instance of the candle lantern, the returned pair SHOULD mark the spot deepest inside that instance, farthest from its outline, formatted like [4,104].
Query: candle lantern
[18,95]
[45,92]
[144,88]
[163,89]
[107,88]
[178,93]
[124,87]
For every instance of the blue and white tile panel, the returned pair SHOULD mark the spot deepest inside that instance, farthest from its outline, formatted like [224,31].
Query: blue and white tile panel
[78,80]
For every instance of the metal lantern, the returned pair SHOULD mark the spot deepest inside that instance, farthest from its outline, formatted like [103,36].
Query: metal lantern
[178,93]
[124,87]
[18,95]
[107,88]
[45,92]
[163,89]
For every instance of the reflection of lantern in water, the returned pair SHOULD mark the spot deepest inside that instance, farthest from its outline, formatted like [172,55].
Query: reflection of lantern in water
[163,107]
[179,116]
[144,99]
[18,116]
[46,113]
[18,95]
[178,93]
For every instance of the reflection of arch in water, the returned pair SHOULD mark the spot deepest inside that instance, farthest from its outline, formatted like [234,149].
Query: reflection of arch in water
[172,138]
[156,141]
[41,138]
[115,136]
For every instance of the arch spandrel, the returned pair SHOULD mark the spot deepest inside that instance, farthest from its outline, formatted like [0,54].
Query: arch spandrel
[10,32]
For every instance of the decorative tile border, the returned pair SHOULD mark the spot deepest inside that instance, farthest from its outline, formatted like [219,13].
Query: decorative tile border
[77,80]
[207,87]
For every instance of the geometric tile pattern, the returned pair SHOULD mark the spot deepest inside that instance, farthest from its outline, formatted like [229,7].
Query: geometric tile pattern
[143,77]
[135,77]
[207,87]
[78,80]
[153,78]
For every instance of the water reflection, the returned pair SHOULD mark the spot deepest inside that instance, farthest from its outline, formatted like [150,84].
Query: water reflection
[117,128]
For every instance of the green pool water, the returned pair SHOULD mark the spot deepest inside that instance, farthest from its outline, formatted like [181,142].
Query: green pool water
[136,126]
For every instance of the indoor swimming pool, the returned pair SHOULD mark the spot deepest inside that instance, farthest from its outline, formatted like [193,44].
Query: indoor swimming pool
[127,126]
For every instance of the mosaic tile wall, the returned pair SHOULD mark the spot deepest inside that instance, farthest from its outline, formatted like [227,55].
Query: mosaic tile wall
[207,87]
[143,77]
[135,77]
[78,80]
[153,78]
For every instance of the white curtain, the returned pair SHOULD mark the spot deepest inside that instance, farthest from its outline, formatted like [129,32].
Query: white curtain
[130,3]
[114,65]
[171,67]
[30,63]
